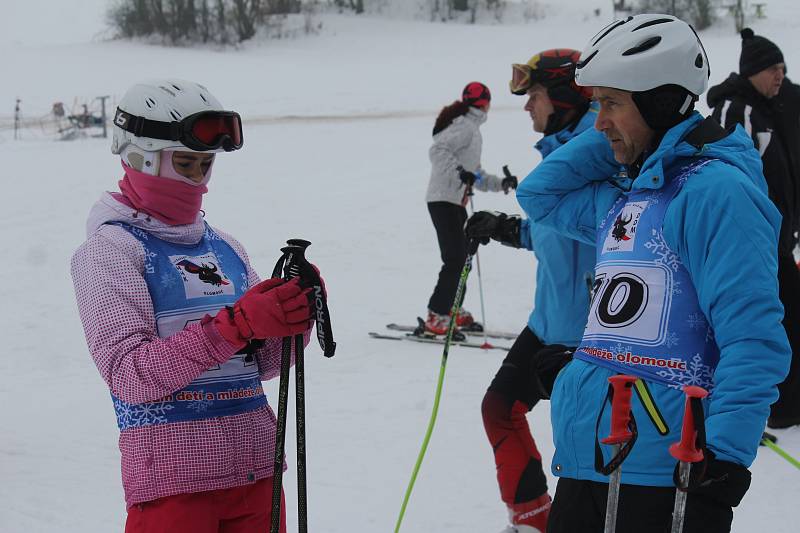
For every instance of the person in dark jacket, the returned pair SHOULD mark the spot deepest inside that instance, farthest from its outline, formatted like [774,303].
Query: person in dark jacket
[763,100]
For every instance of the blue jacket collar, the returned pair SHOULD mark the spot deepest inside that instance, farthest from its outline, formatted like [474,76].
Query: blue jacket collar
[735,149]
[549,143]
[671,147]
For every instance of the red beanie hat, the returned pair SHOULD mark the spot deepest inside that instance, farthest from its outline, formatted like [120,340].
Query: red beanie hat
[476,94]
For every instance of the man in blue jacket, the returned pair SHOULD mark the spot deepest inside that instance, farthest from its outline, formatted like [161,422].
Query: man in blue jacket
[685,287]
[561,110]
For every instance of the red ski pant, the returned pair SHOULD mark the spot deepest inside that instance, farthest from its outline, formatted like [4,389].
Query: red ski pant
[508,400]
[245,509]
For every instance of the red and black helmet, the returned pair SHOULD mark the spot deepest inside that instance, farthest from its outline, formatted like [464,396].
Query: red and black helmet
[548,68]
[476,94]
[554,70]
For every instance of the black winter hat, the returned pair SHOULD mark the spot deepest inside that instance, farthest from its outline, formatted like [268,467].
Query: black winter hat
[758,53]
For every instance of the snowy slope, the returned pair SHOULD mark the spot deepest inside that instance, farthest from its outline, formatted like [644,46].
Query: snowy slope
[354,186]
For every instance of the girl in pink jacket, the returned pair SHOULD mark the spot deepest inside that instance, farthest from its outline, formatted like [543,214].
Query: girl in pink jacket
[178,324]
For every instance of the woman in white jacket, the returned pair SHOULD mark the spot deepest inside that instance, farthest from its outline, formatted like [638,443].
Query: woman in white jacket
[455,171]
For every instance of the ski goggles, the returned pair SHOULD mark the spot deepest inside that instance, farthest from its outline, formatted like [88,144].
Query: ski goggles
[520,78]
[203,131]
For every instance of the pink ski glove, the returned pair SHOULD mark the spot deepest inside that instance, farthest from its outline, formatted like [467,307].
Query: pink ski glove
[273,308]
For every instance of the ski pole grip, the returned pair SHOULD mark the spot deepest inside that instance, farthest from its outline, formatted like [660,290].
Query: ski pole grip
[302,243]
[622,386]
[294,257]
[686,450]
[506,172]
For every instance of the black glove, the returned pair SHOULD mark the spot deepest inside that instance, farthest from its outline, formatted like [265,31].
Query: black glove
[545,366]
[713,492]
[721,481]
[467,177]
[485,225]
[508,183]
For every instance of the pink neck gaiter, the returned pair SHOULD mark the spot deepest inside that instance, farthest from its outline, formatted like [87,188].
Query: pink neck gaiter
[170,201]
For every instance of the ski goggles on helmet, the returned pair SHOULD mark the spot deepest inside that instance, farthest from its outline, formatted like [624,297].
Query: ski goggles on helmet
[521,79]
[202,132]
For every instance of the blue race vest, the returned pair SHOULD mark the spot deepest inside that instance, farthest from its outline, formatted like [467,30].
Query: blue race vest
[186,282]
[645,318]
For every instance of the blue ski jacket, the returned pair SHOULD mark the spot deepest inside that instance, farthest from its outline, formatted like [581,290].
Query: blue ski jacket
[561,299]
[724,228]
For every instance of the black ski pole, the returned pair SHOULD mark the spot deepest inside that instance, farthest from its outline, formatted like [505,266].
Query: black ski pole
[300,406]
[288,264]
[293,264]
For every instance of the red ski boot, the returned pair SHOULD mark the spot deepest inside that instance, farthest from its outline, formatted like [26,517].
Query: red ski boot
[437,324]
[466,321]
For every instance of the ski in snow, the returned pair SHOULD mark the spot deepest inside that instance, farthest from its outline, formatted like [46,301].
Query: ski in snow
[432,339]
[489,333]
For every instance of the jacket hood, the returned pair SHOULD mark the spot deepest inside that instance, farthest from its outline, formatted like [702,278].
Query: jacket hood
[736,149]
[108,209]
[477,115]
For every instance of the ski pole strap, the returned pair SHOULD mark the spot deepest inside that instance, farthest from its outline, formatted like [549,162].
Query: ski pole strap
[650,407]
[472,249]
[623,424]
[309,277]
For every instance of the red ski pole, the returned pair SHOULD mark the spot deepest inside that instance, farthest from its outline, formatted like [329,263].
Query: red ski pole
[687,452]
[620,434]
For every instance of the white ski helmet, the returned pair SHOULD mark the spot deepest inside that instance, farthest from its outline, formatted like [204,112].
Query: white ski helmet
[658,58]
[171,114]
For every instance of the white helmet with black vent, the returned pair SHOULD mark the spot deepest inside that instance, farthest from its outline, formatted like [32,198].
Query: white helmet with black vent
[658,58]
[168,114]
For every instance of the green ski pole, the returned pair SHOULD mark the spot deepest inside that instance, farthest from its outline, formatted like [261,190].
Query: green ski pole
[766,441]
[462,282]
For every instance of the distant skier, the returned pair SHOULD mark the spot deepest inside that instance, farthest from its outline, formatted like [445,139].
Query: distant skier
[689,298]
[561,110]
[455,171]
[170,307]
[762,99]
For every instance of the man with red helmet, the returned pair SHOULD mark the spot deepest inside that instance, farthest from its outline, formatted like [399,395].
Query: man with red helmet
[559,109]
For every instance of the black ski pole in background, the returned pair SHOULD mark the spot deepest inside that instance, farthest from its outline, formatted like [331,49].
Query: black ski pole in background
[486,345]
[293,264]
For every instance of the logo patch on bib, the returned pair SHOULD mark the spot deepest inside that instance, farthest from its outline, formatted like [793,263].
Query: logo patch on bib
[202,275]
[622,235]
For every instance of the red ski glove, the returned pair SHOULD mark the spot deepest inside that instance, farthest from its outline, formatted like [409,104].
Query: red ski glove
[273,308]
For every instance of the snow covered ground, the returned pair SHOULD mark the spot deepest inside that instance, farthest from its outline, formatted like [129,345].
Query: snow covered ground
[354,186]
